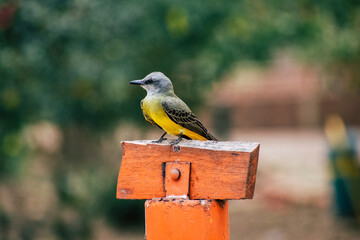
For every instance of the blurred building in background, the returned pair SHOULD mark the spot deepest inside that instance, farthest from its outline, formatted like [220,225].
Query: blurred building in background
[286,94]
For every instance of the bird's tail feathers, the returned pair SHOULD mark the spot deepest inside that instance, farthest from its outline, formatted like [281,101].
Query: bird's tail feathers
[211,137]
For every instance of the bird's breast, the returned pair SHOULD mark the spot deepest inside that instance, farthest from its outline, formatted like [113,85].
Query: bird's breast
[153,108]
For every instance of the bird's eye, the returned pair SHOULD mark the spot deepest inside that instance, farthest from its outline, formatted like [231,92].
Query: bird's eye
[149,81]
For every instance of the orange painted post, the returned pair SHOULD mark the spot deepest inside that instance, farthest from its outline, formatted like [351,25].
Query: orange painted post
[189,185]
[179,219]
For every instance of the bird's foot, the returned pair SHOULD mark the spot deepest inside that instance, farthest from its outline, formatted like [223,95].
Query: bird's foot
[160,139]
[172,143]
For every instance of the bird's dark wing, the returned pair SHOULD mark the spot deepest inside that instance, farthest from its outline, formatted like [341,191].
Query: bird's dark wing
[180,113]
[147,117]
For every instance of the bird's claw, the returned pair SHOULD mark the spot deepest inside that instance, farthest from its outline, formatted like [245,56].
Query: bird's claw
[159,140]
[174,142]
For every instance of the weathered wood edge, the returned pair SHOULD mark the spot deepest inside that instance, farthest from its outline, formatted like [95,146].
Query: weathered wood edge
[236,146]
[251,178]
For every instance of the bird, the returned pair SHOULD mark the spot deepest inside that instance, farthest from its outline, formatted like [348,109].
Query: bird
[164,109]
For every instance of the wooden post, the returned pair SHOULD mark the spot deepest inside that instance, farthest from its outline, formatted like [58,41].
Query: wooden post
[188,184]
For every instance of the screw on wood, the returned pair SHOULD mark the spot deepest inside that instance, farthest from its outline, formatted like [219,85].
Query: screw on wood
[176,148]
[175,174]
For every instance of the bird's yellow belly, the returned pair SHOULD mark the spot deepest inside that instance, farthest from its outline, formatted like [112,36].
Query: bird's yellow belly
[154,110]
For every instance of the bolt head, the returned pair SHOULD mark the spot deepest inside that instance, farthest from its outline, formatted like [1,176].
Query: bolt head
[175,174]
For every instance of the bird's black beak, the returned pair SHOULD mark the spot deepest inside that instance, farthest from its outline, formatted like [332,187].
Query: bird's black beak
[138,82]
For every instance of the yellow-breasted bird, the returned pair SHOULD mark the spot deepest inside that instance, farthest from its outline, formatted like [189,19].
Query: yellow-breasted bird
[166,110]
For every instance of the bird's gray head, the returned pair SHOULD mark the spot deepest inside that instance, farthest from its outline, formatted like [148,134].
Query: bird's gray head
[155,83]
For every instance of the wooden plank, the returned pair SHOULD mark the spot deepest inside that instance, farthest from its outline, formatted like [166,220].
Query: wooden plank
[219,170]
[179,219]
[179,186]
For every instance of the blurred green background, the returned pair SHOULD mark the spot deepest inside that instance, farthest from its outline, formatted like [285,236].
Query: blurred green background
[65,101]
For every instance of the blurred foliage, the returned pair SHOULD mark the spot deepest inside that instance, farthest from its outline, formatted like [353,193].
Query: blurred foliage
[69,62]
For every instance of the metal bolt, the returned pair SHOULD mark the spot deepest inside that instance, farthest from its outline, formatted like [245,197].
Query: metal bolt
[176,148]
[175,174]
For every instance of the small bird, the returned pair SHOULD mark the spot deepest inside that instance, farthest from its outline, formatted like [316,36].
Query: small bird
[166,110]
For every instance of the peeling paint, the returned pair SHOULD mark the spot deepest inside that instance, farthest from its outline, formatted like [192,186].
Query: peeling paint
[184,196]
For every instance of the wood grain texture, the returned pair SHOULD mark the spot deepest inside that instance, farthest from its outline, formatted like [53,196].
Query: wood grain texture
[219,170]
